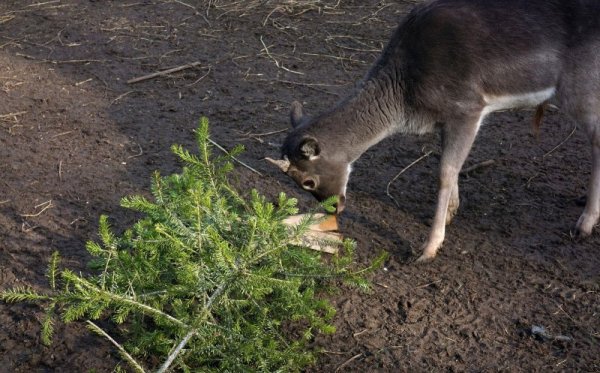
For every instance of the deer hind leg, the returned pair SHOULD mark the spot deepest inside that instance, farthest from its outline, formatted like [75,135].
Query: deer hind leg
[591,213]
[458,138]
[453,203]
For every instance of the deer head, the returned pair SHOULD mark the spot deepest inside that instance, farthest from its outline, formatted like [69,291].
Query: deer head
[315,167]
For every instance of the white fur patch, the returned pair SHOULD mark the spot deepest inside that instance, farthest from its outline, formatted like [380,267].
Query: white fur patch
[496,103]
[348,171]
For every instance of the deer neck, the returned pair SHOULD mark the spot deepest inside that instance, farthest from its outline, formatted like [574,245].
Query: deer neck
[374,112]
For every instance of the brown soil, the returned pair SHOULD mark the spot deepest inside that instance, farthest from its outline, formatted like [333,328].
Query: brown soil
[75,137]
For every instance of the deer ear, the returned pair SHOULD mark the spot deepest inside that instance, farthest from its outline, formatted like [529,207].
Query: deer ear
[309,148]
[296,114]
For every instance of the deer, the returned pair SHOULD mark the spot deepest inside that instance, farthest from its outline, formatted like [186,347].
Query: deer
[448,65]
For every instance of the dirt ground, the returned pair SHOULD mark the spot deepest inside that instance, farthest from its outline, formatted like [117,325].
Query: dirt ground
[75,137]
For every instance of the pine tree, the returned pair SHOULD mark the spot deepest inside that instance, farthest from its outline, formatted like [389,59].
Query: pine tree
[206,281]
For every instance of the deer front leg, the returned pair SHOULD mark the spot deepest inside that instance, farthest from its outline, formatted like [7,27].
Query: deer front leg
[591,213]
[458,138]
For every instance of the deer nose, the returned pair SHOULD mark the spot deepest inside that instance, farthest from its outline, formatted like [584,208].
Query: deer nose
[339,206]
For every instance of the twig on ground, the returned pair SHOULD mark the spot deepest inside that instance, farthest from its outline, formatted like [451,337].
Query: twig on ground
[44,3]
[348,362]
[257,136]
[477,166]
[186,4]
[357,334]
[234,158]
[200,78]
[565,312]
[5,18]
[83,82]
[46,205]
[341,58]
[361,45]
[561,143]
[267,133]
[61,134]
[314,86]
[163,72]
[138,154]
[56,62]
[337,4]
[10,130]
[277,63]
[26,227]
[387,189]
[120,97]
[528,183]
[269,15]
[78,220]
[333,352]
[12,115]
[428,284]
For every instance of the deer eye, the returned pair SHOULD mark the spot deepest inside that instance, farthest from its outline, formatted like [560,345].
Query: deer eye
[309,184]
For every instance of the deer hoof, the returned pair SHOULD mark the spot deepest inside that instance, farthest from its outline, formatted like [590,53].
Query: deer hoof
[425,258]
[577,233]
[584,226]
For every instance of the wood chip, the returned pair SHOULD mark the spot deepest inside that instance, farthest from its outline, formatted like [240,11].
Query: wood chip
[325,223]
[321,236]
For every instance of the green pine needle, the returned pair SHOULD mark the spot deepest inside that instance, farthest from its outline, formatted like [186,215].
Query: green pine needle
[48,325]
[53,269]
[22,294]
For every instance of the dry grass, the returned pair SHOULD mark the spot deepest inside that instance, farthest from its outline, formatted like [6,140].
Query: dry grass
[286,6]
[281,20]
